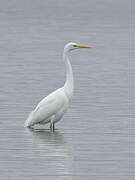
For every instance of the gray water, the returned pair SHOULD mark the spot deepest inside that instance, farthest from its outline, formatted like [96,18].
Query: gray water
[96,137]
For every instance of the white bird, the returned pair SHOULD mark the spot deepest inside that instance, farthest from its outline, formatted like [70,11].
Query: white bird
[52,108]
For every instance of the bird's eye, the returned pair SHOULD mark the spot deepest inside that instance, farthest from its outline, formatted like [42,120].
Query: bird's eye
[74,45]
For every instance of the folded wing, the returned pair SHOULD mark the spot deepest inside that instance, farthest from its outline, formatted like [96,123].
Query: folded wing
[48,107]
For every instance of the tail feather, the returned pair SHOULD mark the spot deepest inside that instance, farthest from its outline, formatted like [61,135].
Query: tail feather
[28,122]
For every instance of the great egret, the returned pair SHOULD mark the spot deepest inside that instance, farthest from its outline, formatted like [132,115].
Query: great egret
[52,108]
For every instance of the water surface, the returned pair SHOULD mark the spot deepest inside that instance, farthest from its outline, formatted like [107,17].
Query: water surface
[96,137]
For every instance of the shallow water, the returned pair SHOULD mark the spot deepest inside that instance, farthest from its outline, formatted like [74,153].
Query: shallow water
[96,137]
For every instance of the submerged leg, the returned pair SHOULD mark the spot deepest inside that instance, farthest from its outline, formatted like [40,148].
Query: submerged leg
[52,126]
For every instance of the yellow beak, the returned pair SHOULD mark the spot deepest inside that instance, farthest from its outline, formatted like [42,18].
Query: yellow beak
[79,46]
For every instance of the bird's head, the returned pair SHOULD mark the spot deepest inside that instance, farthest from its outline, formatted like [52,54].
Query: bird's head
[72,46]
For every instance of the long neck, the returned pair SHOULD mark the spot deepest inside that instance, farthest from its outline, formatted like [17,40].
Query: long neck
[69,84]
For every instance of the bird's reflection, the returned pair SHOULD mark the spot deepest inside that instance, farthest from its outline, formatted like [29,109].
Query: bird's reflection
[54,150]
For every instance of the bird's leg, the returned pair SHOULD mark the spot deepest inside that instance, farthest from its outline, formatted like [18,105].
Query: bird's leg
[52,126]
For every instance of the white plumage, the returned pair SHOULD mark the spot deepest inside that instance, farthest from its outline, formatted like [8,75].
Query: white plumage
[52,108]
